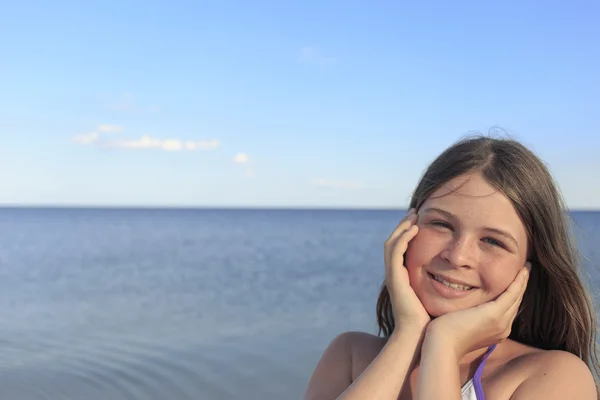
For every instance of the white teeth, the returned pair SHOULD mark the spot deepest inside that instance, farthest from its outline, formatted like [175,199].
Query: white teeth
[452,285]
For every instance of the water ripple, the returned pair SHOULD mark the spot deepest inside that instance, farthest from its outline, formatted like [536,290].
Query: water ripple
[45,366]
[101,367]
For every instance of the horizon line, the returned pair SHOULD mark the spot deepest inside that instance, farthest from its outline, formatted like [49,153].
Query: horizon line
[228,207]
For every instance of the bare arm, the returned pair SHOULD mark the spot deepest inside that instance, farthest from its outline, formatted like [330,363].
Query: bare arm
[382,379]
[439,375]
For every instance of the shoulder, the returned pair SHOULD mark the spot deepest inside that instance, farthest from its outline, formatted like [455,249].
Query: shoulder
[363,341]
[357,343]
[356,348]
[341,362]
[554,374]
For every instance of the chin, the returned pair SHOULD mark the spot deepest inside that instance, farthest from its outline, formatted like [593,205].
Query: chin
[437,310]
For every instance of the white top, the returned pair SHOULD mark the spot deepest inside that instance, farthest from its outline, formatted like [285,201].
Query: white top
[468,391]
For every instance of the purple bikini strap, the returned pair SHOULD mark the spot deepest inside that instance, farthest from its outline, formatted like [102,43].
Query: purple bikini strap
[477,377]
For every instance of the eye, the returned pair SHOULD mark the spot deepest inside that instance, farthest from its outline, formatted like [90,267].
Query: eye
[441,224]
[494,242]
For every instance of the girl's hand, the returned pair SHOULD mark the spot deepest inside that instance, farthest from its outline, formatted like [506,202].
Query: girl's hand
[407,308]
[483,325]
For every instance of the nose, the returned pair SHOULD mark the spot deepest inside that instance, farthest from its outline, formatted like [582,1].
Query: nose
[459,252]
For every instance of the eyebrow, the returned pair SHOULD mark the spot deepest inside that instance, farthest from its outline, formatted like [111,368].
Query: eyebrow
[487,229]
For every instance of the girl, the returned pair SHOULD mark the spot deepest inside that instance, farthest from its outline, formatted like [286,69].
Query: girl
[482,295]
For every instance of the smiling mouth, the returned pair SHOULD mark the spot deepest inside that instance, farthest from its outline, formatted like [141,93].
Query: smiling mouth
[455,286]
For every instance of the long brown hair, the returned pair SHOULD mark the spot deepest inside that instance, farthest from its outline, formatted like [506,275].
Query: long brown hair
[557,309]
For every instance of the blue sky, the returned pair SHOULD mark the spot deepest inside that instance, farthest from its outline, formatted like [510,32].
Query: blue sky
[280,103]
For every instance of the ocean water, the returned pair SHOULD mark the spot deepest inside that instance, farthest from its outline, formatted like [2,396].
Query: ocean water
[188,304]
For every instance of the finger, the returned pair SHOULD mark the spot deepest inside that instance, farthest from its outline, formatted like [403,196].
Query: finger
[514,308]
[513,312]
[514,291]
[403,225]
[401,245]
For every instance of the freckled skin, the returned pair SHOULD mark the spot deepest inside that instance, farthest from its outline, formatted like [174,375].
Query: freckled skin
[458,247]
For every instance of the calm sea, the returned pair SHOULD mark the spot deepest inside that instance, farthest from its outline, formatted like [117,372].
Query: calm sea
[188,304]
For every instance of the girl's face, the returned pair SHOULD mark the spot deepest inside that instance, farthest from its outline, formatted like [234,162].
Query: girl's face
[470,245]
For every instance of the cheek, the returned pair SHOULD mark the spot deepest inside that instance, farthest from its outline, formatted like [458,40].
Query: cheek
[497,276]
[422,249]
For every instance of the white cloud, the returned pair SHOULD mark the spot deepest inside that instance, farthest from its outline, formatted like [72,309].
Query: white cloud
[244,160]
[147,142]
[313,55]
[144,142]
[350,185]
[241,158]
[110,128]
[86,138]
